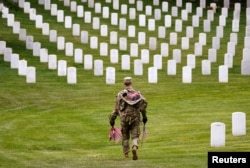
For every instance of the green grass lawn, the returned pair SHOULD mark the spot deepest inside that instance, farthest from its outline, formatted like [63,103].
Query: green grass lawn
[58,125]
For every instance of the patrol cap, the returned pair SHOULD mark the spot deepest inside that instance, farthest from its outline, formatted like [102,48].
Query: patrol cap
[127,79]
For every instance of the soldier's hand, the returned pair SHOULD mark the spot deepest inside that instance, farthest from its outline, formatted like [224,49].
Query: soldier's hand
[145,120]
[112,123]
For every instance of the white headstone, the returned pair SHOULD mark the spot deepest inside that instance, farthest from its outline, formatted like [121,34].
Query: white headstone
[124,9]
[186,74]
[16,27]
[114,19]
[247,42]
[151,24]
[212,55]
[14,61]
[105,12]
[164,6]
[62,68]
[133,49]
[206,67]
[36,48]
[226,3]
[44,57]
[220,31]
[22,34]
[139,5]
[94,42]
[222,20]
[125,63]
[168,21]
[71,75]
[216,43]
[224,12]
[246,55]
[76,30]
[29,42]
[96,23]
[210,15]
[171,68]
[87,17]
[164,49]
[179,3]
[223,74]
[45,29]
[132,14]
[203,3]
[98,8]
[184,14]
[138,67]
[145,56]
[218,134]
[114,56]
[53,10]
[161,32]
[60,43]
[116,4]
[7,54]
[103,49]
[26,7]
[148,10]
[131,31]
[123,43]
[68,22]
[142,20]
[207,26]
[152,43]
[203,38]
[78,55]
[22,67]
[84,37]
[157,61]
[2,47]
[195,21]
[238,123]
[31,75]
[53,35]
[80,11]
[104,30]
[110,75]
[157,14]
[245,70]
[73,6]
[199,11]
[47,4]
[235,25]
[177,55]
[178,25]
[189,7]
[88,62]
[190,31]
[141,38]
[60,16]
[191,60]
[173,39]
[185,43]
[122,24]
[52,63]
[198,51]
[69,49]
[228,60]
[66,2]
[113,37]
[174,11]
[98,67]
[231,48]
[152,75]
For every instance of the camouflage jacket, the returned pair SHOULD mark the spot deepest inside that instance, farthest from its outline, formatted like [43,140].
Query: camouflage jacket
[129,103]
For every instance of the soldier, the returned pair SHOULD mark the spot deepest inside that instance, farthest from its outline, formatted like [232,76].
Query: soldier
[129,104]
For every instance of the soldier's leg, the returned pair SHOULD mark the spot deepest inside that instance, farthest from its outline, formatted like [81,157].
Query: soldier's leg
[135,134]
[125,138]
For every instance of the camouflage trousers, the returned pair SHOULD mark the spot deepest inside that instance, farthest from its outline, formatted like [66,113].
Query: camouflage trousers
[130,130]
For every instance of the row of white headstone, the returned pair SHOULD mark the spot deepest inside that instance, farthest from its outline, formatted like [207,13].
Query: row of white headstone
[218,129]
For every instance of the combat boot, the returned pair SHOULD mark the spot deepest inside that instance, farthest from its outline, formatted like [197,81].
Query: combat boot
[134,149]
[126,155]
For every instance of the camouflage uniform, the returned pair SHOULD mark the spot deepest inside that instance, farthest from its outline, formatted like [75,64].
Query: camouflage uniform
[128,105]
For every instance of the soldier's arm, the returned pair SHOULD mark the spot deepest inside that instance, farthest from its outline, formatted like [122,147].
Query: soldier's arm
[115,112]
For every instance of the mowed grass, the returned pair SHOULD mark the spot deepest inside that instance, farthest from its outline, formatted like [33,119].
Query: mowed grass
[54,124]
